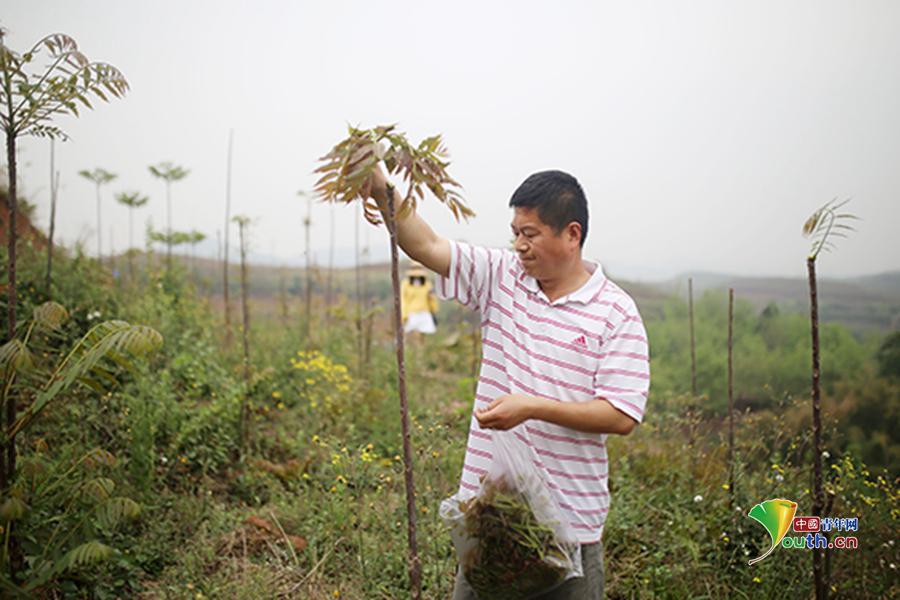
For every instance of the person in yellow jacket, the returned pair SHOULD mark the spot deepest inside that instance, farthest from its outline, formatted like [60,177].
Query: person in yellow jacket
[418,302]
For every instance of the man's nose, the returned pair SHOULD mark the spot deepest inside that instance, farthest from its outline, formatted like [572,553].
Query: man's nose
[520,244]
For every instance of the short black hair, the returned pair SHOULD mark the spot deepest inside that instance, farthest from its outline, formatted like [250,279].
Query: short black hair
[558,198]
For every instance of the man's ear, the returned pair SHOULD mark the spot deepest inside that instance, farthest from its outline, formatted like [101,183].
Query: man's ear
[573,231]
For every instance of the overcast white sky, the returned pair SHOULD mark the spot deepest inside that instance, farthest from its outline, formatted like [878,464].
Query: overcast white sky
[703,132]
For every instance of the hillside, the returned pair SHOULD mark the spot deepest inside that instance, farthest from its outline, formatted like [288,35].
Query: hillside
[868,304]
[865,304]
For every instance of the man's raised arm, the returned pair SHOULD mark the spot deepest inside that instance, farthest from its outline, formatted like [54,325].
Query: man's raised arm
[414,235]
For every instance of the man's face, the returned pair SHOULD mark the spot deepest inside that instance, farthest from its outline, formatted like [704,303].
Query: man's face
[541,250]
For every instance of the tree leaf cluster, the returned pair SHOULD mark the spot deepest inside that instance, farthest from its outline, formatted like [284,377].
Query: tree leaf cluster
[168,172]
[176,238]
[347,170]
[99,175]
[826,223]
[132,199]
[86,512]
[66,81]
[93,361]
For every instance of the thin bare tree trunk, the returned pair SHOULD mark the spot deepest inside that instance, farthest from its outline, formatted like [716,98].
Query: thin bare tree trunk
[131,244]
[9,460]
[818,504]
[99,229]
[359,301]
[693,347]
[169,226]
[730,398]
[282,294]
[330,284]
[113,263]
[54,190]
[306,224]
[692,411]
[367,302]
[246,337]
[415,567]
[227,224]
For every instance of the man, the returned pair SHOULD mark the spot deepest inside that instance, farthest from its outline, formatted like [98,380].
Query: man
[565,358]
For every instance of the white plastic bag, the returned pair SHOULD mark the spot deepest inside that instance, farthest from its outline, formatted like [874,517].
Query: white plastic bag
[512,540]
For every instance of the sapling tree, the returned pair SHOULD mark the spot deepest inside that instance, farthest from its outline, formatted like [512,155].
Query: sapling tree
[329,286]
[307,223]
[347,175]
[731,457]
[31,97]
[54,196]
[243,222]
[225,264]
[358,280]
[194,237]
[822,226]
[692,413]
[169,173]
[282,295]
[168,239]
[693,346]
[99,177]
[40,376]
[133,200]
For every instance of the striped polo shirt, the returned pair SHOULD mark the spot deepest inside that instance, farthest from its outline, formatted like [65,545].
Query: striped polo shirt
[586,345]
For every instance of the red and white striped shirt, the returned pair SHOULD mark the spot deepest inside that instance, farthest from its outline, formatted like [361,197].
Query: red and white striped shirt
[586,345]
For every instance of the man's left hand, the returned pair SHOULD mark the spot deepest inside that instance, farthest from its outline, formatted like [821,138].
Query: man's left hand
[506,411]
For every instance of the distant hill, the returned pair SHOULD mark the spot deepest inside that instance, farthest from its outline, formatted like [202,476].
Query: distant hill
[865,304]
[886,283]
[868,304]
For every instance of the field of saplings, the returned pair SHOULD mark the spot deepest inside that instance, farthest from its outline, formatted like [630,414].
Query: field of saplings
[175,427]
[170,468]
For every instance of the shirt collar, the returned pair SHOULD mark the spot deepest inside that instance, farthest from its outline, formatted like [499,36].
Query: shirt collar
[584,294]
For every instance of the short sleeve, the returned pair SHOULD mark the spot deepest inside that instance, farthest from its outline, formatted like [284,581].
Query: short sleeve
[473,272]
[623,376]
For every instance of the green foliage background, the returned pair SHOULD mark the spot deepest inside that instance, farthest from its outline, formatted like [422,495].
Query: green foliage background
[324,465]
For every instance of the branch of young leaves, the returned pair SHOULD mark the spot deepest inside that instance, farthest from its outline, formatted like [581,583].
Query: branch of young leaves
[94,359]
[348,168]
[68,80]
[826,222]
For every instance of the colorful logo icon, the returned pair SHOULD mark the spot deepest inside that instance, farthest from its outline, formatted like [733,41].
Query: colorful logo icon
[776,516]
